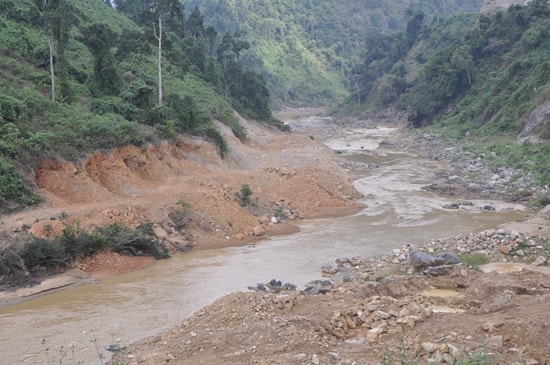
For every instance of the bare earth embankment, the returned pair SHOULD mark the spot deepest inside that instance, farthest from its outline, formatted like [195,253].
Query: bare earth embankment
[368,310]
[189,193]
[382,310]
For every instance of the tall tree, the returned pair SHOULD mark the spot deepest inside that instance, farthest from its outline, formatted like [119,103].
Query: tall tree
[162,12]
[100,39]
[47,18]
[57,18]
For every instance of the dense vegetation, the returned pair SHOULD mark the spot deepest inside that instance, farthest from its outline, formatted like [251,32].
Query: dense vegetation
[306,49]
[79,75]
[476,75]
[30,255]
[485,72]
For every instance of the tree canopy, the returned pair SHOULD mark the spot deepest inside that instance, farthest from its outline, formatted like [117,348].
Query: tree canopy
[81,75]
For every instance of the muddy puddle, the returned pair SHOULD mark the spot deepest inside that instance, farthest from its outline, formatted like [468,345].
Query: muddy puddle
[78,323]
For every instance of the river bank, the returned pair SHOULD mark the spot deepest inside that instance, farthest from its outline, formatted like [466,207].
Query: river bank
[188,192]
[312,178]
[373,310]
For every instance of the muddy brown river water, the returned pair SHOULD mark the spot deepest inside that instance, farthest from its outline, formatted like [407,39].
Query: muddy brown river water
[75,326]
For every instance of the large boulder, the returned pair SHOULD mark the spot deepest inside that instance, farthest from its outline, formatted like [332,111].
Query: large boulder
[420,260]
[446,258]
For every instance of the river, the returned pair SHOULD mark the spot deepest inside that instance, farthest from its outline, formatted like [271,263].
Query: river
[73,326]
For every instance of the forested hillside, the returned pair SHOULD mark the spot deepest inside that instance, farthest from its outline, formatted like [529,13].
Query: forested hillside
[470,75]
[306,49]
[483,72]
[79,75]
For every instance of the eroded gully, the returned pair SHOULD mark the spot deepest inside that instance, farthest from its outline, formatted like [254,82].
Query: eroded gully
[73,325]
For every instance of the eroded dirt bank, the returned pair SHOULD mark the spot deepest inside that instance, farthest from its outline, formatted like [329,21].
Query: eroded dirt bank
[189,193]
[380,310]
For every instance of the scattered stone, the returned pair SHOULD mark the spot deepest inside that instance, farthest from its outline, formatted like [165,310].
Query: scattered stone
[329,269]
[541,260]
[258,231]
[451,206]
[428,347]
[114,348]
[446,258]
[495,341]
[318,287]
[300,357]
[334,356]
[438,270]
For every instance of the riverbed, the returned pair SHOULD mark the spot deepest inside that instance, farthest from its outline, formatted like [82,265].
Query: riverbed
[76,325]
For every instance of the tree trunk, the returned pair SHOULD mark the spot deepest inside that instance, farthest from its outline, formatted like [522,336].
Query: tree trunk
[52,72]
[159,37]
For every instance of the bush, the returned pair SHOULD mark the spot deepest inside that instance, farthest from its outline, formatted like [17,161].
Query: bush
[4,269]
[158,115]
[40,253]
[136,242]
[180,216]
[43,253]
[215,136]
[185,112]
[12,186]
[118,106]
[139,94]
[11,108]
[474,259]
[245,194]
[108,131]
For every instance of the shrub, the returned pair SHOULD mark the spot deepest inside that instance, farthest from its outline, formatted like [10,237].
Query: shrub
[185,112]
[116,105]
[245,194]
[180,216]
[12,186]
[139,94]
[41,252]
[474,259]
[11,108]
[215,136]
[158,115]
[108,131]
[3,265]
[126,240]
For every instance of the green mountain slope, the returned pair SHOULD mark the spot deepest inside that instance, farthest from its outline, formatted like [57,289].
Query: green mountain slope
[483,72]
[105,90]
[476,76]
[306,49]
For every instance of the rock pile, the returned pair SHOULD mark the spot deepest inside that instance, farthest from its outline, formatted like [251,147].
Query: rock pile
[495,244]
[513,245]
[377,315]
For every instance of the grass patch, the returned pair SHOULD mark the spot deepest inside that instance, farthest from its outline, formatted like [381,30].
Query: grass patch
[474,259]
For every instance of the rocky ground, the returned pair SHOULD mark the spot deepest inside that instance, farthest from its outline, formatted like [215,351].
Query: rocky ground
[363,310]
[388,310]
[380,310]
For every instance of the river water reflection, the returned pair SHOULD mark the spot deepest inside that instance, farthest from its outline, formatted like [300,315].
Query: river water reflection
[146,302]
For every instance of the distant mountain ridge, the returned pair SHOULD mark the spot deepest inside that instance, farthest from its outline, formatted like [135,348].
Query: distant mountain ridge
[306,49]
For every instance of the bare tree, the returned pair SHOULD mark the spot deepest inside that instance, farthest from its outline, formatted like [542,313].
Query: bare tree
[163,10]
